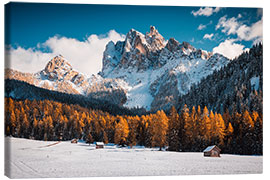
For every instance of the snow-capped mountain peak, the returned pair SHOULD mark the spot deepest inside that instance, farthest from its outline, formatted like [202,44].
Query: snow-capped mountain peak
[154,39]
[57,68]
[157,71]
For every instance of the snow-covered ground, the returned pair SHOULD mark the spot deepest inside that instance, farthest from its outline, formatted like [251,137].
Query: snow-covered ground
[34,159]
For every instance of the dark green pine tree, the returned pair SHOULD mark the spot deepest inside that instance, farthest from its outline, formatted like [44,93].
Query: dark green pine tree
[173,130]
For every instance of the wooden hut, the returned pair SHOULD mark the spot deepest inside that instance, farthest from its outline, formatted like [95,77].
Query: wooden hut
[212,151]
[99,145]
[74,141]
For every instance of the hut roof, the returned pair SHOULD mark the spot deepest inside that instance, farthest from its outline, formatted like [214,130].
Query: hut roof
[100,143]
[209,148]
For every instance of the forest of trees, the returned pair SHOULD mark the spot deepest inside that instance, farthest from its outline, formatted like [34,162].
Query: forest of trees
[21,90]
[189,130]
[231,87]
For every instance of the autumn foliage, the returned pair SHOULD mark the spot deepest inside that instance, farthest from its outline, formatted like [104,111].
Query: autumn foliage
[179,130]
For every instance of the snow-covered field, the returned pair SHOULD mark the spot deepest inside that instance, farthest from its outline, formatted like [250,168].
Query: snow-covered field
[33,159]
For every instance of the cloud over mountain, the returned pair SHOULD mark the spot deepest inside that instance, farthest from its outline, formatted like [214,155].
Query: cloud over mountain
[237,30]
[85,56]
[229,48]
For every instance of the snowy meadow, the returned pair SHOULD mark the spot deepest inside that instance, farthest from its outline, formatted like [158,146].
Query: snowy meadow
[35,159]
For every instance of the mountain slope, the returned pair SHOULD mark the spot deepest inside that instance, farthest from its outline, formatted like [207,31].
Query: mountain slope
[21,90]
[234,87]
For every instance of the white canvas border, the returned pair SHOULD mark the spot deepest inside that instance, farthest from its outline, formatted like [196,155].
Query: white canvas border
[219,3]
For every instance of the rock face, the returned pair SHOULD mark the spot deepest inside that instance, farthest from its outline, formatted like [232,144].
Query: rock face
[138,51]
[157,71]
[59,70]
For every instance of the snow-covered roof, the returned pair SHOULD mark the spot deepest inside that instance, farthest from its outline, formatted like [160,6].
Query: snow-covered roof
[209,148]
[99,143]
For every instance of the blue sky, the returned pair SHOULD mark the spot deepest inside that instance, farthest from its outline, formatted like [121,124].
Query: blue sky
[41,30]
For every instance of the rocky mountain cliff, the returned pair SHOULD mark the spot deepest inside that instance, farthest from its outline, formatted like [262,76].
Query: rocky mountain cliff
[157,71]
[144,70]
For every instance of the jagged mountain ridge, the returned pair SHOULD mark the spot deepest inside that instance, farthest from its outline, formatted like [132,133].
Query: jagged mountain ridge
[144,70]
[157,71]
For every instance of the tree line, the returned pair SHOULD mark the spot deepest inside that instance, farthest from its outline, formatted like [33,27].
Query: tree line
[21,90]
[186,130]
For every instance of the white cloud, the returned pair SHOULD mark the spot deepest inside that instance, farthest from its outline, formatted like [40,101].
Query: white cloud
[85,56]
[256,30]
[201,27]
[243,31]
[229,48]
[208,36]
[228,26]
[26,60]
[206,11]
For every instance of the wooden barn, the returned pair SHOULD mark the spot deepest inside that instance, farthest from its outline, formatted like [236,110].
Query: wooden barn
[99,145]
[212,151]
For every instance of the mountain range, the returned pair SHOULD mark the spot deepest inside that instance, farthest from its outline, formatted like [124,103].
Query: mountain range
[144,70]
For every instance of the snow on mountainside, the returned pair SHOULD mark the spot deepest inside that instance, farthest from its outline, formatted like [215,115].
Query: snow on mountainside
[144,70]
[157,71]
[58,75]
